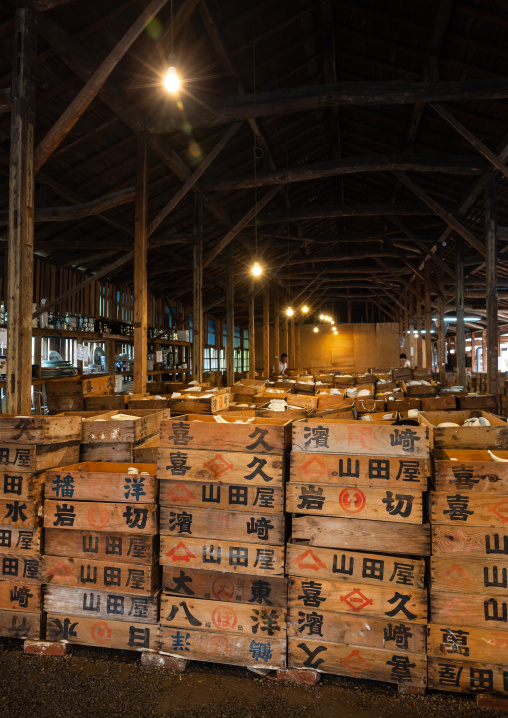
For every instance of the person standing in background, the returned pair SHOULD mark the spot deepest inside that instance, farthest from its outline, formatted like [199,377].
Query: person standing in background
[404,361]
[283,364]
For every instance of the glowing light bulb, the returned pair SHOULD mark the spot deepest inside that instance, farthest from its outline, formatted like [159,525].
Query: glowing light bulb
[256,269]
[316,329]
[305,309]
[289,312]
[321,316]
[171,81]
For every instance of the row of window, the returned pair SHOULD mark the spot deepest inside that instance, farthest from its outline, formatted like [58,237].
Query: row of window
[214,359]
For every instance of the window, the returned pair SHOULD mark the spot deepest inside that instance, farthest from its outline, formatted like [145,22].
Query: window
[224,334]
[211,332]
[238,338]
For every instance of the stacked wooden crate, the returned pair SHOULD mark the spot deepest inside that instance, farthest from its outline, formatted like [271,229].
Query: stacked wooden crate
[222,540]
[357,601]
[110,436]
[100,563]
[207,401]
[503,397]
[28,447]
[468,632]
[71,393]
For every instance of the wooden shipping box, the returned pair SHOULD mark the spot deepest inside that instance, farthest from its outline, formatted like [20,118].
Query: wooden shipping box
[455,470]
[485,610]
[485,402]
[200,403]
[20,540]
[403,405]
[366,405]
[19,513]
[355,567]
[368,378]
[106,429]
[146,451]
[470,541]
[341,380]
[102,545]
[221,496]
[389,665]
[139,579]
[439,403]
[344,412]
[420,390]
[103,481]
[453,674]
[475,644]
[115,402]
[259,652]
[251,401]
[363,535]
[492,437]
[60,402]
[358,631]
[233,467]
[422,374]
[360,437]
[37,430]
[222,555]
[124,635]
[26,568]
[171,386]
[97,385]
[355,502]
[469,575]
[14,624]
[305,387]
[19,486]
[261,435]
[387,386]
[96,516]
[248,387]
[118,452]
[400,373]
[225,586]
[18,595]
[327,401]
[359,470]
[287,414]
[204,523]
[466,508]
[111,604]
[32,458]
[274,392]
[66,386]
[149,403]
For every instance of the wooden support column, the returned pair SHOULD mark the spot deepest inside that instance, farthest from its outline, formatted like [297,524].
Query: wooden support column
[428,319]
[491,285]
[292,361]
[252,337]
[140,278]
[230,319]
[460,338]
[21,216]
[298,353]
[276,327]
[419,344]
[349,312]
[441,338]
[266,331]
[197,312]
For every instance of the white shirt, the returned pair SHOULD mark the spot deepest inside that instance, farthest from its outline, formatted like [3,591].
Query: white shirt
[283,365]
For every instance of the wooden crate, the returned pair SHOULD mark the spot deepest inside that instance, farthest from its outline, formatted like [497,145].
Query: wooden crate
[18,595]
[92,516]
[271,392]
[469,470]
[30,430]
[171,386]
[102,545]
[22,567]
[152,404]
[450,674]
[125,635]
[362,631]
[353,501]
[248,387]
[401,373]
[207,524]
[19,513]
[89,481]
[61,402]
[336,412]
[359,662]
[262,435]
[17,487]
[484,402]
[363,535]
[225,586]
[368,378]
[222,496]
[473,644]
[332,437]
[146,451]
[31,458]
[66,386]
[118,452]
[419,390]
[303,387]
[106,429]
[243,618]
[341,597]
[352,566]
[343,380]
[220,555]
[20,540]
[492,437]
[469,575]
[224,466]
[473,541]
[485,610]
[471,509]
[231,649]
[101,604]
[369,405]
[359,470]
[422,374]
[139,579]
[439,403]
[14,624]
[198,404]
[97,385]
[115,402]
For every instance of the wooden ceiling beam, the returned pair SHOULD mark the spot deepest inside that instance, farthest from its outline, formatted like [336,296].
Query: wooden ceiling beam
[344,210]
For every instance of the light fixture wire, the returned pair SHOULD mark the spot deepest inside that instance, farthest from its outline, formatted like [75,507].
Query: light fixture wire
[171,28]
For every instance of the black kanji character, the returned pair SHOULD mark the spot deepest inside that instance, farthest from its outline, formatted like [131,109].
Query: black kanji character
[180,433]
[91,602]
[457,507]
[261,591]
[212,554]
[349,471]
[21,596]
[178,463]
[210,493]
[114,546]
[313,622]
[455,641]
[265,559]
[402,508]
[260,526]
[25,540]
[405,438]
[63,630]
[258,465]
[238,556]
[31,568]
[139,637]
[238,495]
[176,608]
[90,544]
[264,497]
[400,634]
[139,607]
[318,435]
[481,678]
[22,457]
[400,668]
[495,615]
[91,574]
[498,582]
[65,516]
[409,470]
[182,522]
[311,595]
[181,584]
[138,546]
[15,511]
[449,674]
[135,517]
[13,484]
[404,573]
[496,548]
[10,566]
[373,569]
[311,661]
[379,469]
[136,578]
[401,606]
[19,630]
[112,576]
[63,486]
[311,498]
[463,477]
[135,487]
[115,605]
[265,620]
[343,569]
[259,440]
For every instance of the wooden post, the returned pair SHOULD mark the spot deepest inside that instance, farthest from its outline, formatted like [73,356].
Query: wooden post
[491,285]
[292,353]
[230,319]
[298,354]
[266,332]
[21,216]
[276,327]
[427,318]
[140,278]
[460,338]
[441,338]
[419,345]
[252,337]
[349,312]
[197,312]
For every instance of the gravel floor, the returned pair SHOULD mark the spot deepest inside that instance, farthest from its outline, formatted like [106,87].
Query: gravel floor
[101,683]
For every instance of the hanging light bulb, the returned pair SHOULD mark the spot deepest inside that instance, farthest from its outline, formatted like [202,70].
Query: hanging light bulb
[316,329]
[321,316]
[256,269]
[305,309]
[289,312]
[171,81]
